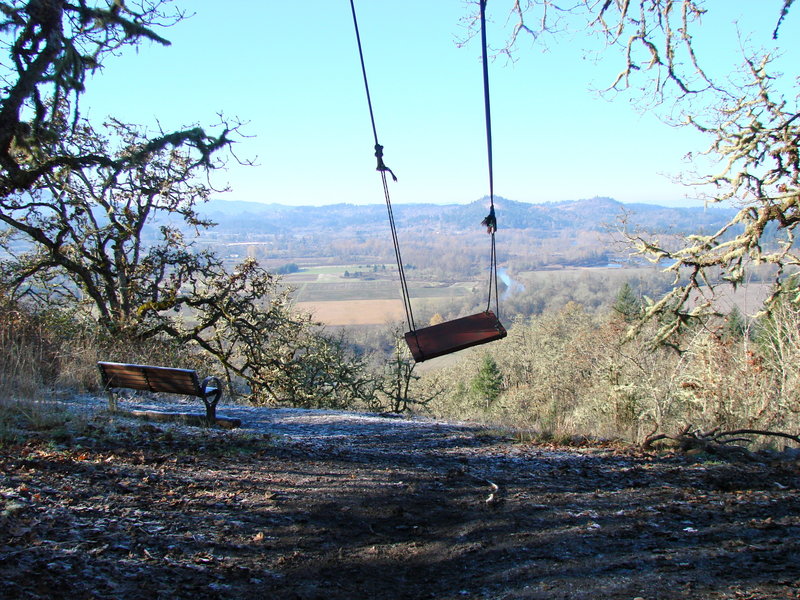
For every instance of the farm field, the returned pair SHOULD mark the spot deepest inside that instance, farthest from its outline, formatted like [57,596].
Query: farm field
[355,312]
[374,298]
[334,299]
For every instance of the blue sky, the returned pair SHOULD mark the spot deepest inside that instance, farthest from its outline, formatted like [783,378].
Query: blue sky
[290,70]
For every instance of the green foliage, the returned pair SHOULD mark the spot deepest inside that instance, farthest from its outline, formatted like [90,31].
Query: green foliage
[398,384]
[288,268]
[488,383]
[325,372]
[628,305]
[79,204]
[82,199]
[735,324]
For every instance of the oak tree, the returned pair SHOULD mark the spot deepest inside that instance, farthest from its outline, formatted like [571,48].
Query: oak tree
[103,218]
[750,116]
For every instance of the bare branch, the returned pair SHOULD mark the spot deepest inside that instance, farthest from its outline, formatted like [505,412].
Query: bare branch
[787,4]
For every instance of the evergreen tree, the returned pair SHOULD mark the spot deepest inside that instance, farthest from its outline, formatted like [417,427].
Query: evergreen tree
[488,383]
[627,304]
[735,324]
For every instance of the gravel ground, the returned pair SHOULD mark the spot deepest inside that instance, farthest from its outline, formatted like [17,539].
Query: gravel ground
[324,504]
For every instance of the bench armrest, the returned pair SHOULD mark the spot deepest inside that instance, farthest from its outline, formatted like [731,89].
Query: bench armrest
[212,392]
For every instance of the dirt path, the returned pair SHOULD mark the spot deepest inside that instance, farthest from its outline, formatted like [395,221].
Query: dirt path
[310,504]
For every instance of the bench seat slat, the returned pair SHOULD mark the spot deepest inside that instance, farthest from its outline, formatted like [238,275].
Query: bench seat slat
[173,388]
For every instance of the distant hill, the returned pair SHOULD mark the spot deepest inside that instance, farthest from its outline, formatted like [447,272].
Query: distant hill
[587,214]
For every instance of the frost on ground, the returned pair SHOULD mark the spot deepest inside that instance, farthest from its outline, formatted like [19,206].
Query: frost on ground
[325,504]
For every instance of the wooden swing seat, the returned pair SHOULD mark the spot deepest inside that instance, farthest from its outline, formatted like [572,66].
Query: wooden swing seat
[452,336]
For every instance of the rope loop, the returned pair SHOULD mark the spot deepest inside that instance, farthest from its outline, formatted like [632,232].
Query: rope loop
[381,165]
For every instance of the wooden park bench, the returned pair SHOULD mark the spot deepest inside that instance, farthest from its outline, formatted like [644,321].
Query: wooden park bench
[169,380]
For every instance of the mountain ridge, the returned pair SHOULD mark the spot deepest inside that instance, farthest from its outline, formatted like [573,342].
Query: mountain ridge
[584,214]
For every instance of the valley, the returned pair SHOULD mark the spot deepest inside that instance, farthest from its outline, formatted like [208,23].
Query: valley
[339,261]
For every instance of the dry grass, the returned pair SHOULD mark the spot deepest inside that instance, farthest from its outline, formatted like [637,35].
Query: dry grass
[44,354]
[26,356]
[22,418]
[566,375]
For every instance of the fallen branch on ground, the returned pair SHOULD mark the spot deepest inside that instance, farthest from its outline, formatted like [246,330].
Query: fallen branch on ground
[715,441]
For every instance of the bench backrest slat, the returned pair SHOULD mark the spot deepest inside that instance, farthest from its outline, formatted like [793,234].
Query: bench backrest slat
[153,379]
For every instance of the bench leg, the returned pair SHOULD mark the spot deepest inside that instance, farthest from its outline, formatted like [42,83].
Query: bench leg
[212,392]
[211,406]
[112,401]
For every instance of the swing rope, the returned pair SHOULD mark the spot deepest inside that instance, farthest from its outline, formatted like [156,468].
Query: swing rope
[490,222]
[383,169]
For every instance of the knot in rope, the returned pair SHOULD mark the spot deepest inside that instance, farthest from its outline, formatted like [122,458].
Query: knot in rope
[490,222]
[381,165]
